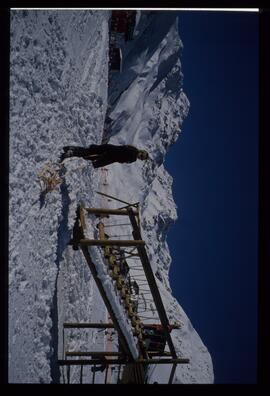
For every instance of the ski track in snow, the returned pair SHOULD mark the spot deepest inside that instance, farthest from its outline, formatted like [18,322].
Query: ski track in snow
[58,96]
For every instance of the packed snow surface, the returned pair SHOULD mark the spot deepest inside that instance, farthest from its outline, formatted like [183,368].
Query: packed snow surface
[59,95]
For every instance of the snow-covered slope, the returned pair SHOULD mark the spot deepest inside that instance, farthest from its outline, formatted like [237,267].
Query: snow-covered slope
[58,96]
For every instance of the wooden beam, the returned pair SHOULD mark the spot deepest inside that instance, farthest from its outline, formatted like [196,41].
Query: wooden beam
[163,361]
[153,353]
[104,353]
[74,325]
[91,362]
[172,373]
[110,242]
[95,354]
[88,325]
[152,283]
[104,211]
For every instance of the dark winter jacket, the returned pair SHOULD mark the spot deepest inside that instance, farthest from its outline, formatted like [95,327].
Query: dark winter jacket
[110,153]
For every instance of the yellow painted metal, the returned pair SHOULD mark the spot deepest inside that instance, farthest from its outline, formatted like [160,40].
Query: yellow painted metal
[120,282]
[135,320]
[127,301]
[112,259]
[116,270]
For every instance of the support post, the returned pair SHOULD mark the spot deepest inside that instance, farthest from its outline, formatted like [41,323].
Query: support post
[164,361]
[81,375]
[68,374]
[94,374]
[172,373]
[92,362]
[106,373]
[109,242]
[104,211]
[94,354]
[72,325]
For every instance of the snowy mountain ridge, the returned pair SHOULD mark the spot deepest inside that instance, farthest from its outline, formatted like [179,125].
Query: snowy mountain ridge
[59,96]
[148,113]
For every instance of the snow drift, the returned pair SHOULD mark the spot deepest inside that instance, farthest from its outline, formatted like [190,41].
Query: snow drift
[59,96]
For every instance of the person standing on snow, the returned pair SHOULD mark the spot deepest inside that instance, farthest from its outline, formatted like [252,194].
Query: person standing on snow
[105,154]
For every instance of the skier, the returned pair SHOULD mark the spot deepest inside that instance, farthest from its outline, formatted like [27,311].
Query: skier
[105,154]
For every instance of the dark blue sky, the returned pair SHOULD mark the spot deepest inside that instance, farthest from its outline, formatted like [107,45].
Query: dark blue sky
[214,243]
